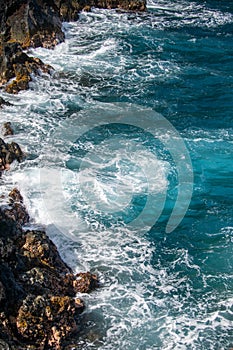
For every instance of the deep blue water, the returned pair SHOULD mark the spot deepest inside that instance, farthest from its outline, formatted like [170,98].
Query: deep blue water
[161,83]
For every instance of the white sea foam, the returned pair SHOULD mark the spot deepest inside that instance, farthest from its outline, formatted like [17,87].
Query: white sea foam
[186,13]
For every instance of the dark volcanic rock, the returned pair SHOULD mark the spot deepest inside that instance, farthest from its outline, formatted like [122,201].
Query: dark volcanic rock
[7,129]
[16,64]
[8,153]
[34,23]
[38,22]
[37,288]
[85,282]
[3,102]
[127,5]
[69,9]
[31,22]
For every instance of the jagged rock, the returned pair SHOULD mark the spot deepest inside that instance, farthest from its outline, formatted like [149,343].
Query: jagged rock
[3,102]
[4,345]
[8,153]
[85,282]
[69,9]
[41,251]
[34,23]
[31,22]
[17,65]
[38,290]
[2,293]
[7,129]
[15,196]
[17,211]
[46,320]
[127,5]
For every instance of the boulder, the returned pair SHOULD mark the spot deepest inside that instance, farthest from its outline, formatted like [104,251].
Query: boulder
[85,282]
[8,153]
[46,320]
[7,129]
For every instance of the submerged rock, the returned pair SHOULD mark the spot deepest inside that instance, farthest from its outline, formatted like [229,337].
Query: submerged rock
[4,103]
[38,289]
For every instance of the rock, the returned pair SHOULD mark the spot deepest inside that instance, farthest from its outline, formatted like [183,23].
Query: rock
[8,153]
[31,23]
[39,308]
[4,345]
[127,5]
[2,293]
[15,152]
[4,103]
[17,65]
[34,23]
[85,282]
[7,129]
[17,210]
[15,196]
[46,320]
[68,9]
[41,251]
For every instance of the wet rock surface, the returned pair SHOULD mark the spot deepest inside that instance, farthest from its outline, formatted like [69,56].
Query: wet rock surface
[16,68]
[7,129]
[38,303]
[4,103]
[8,153]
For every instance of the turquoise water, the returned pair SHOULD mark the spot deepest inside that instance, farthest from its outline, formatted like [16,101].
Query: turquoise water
[161,83]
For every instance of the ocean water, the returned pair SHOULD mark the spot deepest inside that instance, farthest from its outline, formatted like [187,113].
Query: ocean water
[129,168]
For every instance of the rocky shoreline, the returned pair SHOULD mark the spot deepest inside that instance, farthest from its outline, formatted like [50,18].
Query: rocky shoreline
[38,23]
[38,304]
[39,307]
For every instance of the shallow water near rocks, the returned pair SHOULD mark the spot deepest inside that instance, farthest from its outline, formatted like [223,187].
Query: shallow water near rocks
[159,290]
